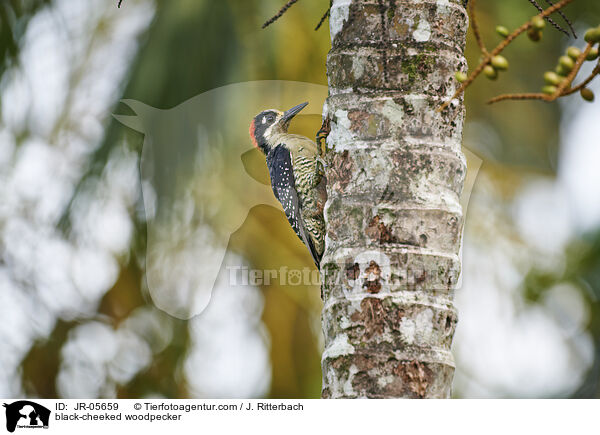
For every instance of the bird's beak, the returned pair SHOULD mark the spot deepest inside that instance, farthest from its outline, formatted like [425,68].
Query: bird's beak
[289,114]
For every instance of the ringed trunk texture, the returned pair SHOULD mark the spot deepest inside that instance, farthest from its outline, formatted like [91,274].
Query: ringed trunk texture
[395,174]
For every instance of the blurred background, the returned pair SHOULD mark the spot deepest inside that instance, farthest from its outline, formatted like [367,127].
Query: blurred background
[79,210]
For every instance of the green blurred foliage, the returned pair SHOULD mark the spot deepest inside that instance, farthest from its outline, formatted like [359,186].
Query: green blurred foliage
[583,272]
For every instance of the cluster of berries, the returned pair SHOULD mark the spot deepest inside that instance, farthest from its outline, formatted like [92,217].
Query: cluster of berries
[566,63]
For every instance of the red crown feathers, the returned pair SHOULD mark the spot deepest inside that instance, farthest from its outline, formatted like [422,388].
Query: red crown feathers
[252,129]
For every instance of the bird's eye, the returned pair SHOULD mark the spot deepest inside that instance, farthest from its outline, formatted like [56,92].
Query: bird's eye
[270,118]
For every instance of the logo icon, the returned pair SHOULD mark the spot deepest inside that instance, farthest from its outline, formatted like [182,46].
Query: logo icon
[26,414]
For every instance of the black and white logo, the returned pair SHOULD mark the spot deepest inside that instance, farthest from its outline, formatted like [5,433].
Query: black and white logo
[26,414]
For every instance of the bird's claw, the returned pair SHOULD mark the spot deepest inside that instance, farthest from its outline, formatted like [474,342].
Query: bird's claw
[323,133]
[322,162]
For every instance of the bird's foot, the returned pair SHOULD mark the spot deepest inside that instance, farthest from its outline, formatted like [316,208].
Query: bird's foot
[322,162]
[323,133]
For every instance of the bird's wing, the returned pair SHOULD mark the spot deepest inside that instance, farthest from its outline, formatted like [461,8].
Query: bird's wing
[284,187]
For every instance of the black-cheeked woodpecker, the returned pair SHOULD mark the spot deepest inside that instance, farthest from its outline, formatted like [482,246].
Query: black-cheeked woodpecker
[296,172]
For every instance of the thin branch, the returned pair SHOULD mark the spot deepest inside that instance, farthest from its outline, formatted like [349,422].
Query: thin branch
[325,15]
[278,15]
[565,18]
[556,26]
[586,82]
[475,27]
[529,96]
[496,51]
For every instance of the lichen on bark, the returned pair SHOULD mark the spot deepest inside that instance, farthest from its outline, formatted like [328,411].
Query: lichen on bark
[395,174]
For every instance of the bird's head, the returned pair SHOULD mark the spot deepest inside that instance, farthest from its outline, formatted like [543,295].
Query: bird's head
[269,124]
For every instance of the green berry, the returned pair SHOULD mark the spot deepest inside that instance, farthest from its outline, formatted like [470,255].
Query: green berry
[500,63]
[534,34]
[538,23]
[593,55]
[587,94]
[461,76]
[566,62]
[502,31]
[573,52]
[490,72]
[561,71]
[549,89]
[592,35]
[552,78]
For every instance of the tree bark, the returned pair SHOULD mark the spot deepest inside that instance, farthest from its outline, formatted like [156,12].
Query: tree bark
[395,173]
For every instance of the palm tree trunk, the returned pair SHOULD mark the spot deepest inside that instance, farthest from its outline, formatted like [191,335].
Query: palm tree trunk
[394,222]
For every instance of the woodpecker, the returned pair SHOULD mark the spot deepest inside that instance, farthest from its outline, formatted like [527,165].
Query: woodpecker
[296,171]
